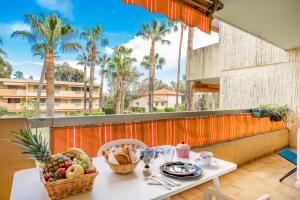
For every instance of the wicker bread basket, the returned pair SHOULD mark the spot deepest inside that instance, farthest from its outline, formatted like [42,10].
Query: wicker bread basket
[123,169]
[64,188]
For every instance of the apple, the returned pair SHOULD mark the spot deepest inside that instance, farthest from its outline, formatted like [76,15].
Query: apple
[61,172]
[74,171]
[47,177]
[68,164]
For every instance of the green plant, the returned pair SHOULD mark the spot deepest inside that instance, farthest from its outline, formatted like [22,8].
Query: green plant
[109,110]
[98,113]
[160,110]
[27,108]
[169,109]
[280,111]
[73,114]
[3,111]
[138,109]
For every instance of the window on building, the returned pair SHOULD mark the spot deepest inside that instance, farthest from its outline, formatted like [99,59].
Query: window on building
[76,101]
[13,100]
[156,104]
[137,103]
[162,104]
[13,87]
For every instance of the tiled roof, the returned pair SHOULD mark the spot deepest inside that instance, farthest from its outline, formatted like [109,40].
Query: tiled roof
[165,91]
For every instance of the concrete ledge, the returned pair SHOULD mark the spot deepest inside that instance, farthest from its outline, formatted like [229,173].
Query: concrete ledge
[244,150]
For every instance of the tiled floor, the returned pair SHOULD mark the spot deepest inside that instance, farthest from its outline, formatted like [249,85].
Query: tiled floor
[252,180]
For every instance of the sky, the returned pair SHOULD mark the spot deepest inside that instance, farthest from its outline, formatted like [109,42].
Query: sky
[120,23]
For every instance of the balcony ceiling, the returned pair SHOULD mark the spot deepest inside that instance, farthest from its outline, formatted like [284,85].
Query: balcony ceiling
[276,21]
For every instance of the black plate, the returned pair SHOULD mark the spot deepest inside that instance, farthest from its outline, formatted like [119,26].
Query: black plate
[197,173]
[179,168]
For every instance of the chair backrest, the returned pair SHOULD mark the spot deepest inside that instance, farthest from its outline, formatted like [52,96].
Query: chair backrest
[121,142]
[212,193]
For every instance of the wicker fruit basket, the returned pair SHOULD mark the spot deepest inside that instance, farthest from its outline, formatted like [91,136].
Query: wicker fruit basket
[69,187]
[123,169]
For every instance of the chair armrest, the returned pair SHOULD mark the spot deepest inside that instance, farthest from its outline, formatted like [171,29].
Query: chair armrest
[265,197]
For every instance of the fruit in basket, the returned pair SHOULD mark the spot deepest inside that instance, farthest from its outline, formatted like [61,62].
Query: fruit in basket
[68,164]
[60,173]
[47,177]
[74,171]
[37,148]
[79,157]
[90,171]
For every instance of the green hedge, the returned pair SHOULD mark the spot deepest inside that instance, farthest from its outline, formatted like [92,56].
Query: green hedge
[169,109]
[94,113]
[109,111]
[138,109]
[3,111]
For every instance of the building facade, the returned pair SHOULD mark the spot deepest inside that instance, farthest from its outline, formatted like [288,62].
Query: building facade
[162,99]
[69,96]
[250,71]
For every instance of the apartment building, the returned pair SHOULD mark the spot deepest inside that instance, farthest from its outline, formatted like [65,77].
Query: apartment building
[69,96]
[162,98]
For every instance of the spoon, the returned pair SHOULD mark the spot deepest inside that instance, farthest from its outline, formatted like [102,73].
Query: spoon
[147,174]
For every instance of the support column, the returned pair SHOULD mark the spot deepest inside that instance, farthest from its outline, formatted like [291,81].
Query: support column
[297,184]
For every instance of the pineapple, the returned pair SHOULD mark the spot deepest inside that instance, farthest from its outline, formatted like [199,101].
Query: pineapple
[37,148]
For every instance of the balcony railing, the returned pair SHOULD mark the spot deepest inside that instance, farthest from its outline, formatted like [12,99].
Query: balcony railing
[196,128]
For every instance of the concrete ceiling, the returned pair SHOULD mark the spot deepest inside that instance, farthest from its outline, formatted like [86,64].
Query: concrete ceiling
[276,21]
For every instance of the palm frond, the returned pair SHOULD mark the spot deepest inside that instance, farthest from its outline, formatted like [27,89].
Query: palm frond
[69,46]
[25,35]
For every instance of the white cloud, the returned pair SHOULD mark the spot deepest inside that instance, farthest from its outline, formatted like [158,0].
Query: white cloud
[8,28]
[141,47]
[65,7]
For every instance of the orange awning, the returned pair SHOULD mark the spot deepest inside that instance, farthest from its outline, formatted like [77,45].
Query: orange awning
[194,13]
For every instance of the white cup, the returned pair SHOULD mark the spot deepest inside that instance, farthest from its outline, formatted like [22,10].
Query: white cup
[205,158]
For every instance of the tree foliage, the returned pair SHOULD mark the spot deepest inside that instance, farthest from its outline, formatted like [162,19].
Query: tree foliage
[5,66]
[19,75]
[64,72]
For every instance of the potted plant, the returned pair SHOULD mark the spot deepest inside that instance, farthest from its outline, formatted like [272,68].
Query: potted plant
[280,113]
[263,110]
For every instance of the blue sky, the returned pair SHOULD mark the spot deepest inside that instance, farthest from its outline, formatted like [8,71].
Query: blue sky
[120,23]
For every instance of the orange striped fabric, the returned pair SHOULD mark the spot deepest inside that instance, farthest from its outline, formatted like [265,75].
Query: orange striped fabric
[196,132]
[176,10]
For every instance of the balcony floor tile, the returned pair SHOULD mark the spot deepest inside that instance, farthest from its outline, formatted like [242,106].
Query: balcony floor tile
[252,180]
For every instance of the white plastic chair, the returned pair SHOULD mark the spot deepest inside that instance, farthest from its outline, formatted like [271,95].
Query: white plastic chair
[212,193]
[121,142]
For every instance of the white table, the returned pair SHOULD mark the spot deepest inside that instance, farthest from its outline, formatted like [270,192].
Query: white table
[111,186]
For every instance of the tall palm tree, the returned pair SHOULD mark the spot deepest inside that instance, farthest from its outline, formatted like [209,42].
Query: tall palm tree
[155,32]
[189,84]
[40,49]
[83,59]
[159,62]
[178,26]
[2,52]
[103,61]
[54,33]
[92,36]
[120,70]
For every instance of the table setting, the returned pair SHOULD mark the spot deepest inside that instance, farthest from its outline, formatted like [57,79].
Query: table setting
[129,167]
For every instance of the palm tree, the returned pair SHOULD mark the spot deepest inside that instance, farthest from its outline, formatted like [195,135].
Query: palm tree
[83,59]
[92,36]
[54,33]
[40,49]
[189,84]
[176,26]
[2,52]
[155,32]
[103,61]
[159,62]
[121,70]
